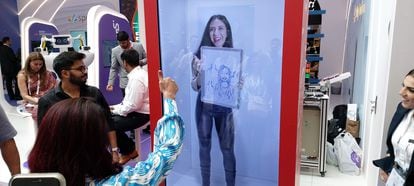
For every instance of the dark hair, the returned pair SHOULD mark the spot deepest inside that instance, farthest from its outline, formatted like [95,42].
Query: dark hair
[131,56]
[72,140]
[206,41]
[410,73]
[5,39]
[65,60]
[122,36]
[42,72]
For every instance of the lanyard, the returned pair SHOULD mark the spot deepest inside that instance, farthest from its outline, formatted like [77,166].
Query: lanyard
[38,85]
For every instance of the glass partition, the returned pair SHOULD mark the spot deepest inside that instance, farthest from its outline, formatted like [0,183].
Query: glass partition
[244,139]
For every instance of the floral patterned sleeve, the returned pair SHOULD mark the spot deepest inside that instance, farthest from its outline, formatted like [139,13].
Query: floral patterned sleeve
[168,139]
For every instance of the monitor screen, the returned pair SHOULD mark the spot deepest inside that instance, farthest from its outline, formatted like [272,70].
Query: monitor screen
[62,40]
[35,44]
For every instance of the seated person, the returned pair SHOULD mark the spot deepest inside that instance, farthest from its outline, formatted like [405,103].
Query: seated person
[133,111]
[73,74]
[81,152]
[34,81]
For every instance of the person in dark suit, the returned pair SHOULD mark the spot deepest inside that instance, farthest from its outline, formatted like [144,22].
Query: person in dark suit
[9,68]
[397,168]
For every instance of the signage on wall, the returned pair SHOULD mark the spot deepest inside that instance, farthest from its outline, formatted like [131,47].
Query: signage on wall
[43,33]
[109,26]
[115,25]
[77,18]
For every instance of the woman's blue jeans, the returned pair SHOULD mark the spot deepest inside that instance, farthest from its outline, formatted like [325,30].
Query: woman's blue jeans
[222,117]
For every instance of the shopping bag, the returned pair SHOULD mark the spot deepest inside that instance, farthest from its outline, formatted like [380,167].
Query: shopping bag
[331,158]
[349,154]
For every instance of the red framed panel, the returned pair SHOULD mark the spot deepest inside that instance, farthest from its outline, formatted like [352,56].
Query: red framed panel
[292,82]
[153,56]
[293,72]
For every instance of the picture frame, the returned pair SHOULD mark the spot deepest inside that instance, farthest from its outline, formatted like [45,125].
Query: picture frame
[221,70]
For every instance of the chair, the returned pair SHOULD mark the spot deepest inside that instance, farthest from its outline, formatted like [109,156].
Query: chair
[38,179]
[138,139]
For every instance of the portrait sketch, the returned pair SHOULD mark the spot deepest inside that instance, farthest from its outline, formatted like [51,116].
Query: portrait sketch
[221,71]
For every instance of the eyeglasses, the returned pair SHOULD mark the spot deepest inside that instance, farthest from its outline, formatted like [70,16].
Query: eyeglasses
[82,69]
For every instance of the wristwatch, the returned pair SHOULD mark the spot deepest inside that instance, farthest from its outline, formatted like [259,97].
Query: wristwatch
[115,149]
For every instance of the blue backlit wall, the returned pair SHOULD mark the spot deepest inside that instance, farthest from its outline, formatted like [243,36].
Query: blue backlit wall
[10,22]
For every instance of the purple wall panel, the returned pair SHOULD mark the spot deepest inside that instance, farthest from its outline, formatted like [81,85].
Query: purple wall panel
[109,25]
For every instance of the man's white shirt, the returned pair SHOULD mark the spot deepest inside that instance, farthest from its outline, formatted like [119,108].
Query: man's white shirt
[136,94]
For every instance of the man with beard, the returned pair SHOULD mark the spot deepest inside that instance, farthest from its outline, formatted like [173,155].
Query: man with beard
[117,66]
[70,68]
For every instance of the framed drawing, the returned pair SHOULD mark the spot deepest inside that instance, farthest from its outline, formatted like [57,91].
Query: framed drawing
[220,76]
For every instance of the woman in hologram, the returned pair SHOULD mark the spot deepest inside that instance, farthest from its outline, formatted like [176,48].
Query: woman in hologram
[217,33]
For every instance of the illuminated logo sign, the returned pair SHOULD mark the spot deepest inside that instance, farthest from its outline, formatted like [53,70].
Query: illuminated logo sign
[77,18]
[115,26]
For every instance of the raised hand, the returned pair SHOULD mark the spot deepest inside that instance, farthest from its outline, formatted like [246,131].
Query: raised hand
[168,87]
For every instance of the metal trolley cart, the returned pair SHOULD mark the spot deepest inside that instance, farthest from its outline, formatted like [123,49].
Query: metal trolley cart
[314,131]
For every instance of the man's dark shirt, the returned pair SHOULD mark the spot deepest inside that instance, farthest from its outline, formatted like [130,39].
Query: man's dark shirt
[57,94]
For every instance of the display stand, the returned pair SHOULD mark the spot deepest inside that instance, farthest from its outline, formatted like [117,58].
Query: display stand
[313,56]
[314,129]
[316,99]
